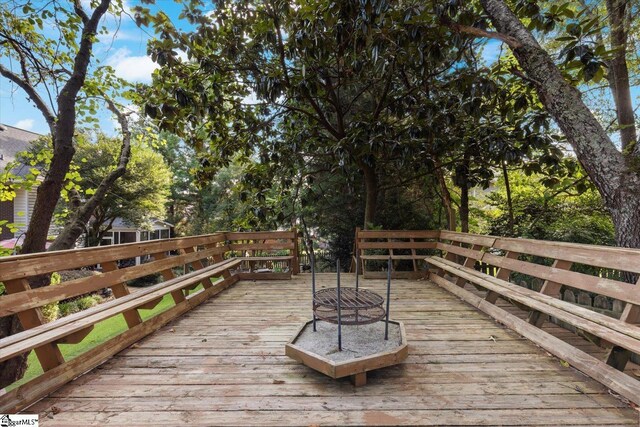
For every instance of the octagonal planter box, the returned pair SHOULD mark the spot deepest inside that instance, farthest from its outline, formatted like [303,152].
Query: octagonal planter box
[356,367]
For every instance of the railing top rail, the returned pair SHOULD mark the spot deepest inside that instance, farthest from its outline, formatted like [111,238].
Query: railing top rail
[23,266]
[617,258]
[397,234]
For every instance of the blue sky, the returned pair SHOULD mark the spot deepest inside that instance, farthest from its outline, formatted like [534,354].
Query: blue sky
[124,48]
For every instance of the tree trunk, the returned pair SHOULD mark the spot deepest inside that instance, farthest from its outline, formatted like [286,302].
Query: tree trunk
[14,368]
[625,212]
[47,195]
[63,128]
[446,196]
[507,186]
[611,171]
[464,195]
[371,195]
[617,11]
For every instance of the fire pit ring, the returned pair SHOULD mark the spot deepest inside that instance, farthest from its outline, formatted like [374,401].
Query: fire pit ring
[357,306]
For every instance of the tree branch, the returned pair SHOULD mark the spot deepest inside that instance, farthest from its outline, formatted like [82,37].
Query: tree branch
[67,97]
[33,96]
[77,7]
[478,32]
[77,225]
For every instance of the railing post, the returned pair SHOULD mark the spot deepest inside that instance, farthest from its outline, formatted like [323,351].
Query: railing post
[503,274]
[618,357]
[167,274]
[549,288]
[49,354]
[132,317]
[197,265]
[470,263]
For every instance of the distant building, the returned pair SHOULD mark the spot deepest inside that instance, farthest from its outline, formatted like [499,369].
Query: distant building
[18,210]
[123,232]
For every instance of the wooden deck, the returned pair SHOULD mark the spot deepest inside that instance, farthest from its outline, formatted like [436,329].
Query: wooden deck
[223,364]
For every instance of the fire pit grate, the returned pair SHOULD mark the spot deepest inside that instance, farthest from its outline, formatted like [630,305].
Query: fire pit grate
[357,306]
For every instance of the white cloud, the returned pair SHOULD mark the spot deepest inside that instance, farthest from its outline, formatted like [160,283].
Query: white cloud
[132,68]
[26,124]
[112,36]
[133,114]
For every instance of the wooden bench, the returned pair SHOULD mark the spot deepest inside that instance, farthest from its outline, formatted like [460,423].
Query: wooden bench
[265,255]
[59,330]
[208,261]
[375,247]
[461,253]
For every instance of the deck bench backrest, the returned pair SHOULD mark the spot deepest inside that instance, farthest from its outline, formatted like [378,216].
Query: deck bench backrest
[517,256]
[273,250]
[561,269]
[26,303]
[374,247]
[587,269]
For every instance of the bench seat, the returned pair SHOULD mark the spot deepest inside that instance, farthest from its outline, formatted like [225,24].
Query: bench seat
[393,257]
[267,258]
[612,330]
[58,329]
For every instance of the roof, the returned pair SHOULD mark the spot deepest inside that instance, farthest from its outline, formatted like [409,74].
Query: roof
[12,141]
[122,224]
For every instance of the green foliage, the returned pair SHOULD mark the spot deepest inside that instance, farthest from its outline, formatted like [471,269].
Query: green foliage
[145,281]
[136,197]
[561,213]
[42,40]
[51,311]
[79,304]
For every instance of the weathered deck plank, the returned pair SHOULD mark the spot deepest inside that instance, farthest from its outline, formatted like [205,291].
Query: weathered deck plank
[223,364]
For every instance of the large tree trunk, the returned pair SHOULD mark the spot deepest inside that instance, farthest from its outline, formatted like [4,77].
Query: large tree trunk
[617,11]
[13,369]
[371,195]
[625,212]
[464,195]
[63,127]
[446,197]
[611,171]
[72,231]
[507,186]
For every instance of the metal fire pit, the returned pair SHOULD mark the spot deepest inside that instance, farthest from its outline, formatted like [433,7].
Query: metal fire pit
[348,306]
[357,306]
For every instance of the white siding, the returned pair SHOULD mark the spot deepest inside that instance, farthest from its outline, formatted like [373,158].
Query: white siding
[23,208]
[21,211]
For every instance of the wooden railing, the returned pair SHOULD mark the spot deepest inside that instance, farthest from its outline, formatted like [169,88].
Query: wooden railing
[212,261]
[408,247]
[217,261]
[561,266]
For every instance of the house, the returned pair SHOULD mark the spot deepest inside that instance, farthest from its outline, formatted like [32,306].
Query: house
[123,232]
[17,211]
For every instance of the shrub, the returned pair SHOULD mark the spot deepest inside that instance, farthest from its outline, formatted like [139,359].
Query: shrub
[145,281]
[70,307]
[51,312]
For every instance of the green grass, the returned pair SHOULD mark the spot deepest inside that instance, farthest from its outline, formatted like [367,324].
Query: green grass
[101,332]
